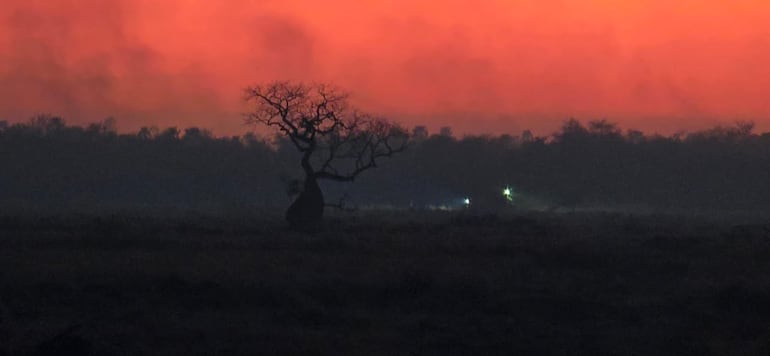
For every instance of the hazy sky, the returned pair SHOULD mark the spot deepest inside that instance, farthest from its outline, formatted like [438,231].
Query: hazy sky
[479,66]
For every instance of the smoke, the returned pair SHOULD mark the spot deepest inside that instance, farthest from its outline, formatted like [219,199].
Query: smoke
[80,59]
[480,67]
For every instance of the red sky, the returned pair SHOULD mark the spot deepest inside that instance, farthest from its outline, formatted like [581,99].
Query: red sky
[478,66]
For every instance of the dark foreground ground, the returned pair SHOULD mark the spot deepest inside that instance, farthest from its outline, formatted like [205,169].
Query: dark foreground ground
[591,284]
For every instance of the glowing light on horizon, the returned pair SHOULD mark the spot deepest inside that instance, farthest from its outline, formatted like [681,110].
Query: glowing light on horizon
[508,194]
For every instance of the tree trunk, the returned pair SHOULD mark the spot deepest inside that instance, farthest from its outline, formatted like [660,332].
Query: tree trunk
[306,213]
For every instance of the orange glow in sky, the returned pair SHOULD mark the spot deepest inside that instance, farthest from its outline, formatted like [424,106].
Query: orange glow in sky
[479,66]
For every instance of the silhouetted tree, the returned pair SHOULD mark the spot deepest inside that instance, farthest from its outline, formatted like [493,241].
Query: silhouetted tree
[420,133]
[147,133]
[47,124]
[604,128]
[635,136]
[445,131]
[740,131]
[196,135]
[169,134]
[336,142]
[527,136]
[572,131]
[106,127]
[45,162]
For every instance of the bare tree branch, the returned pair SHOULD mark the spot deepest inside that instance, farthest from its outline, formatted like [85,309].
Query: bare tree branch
[341,143]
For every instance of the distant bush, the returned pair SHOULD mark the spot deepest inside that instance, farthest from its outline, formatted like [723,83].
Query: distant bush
[46,162]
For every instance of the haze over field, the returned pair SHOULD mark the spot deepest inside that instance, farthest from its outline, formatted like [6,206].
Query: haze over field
[492,66]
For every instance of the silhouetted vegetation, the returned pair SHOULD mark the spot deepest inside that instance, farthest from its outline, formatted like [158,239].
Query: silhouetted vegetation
[49,164]
[181,249]
[336,142]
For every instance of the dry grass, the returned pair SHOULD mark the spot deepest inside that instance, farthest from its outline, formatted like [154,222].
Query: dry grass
[425,284]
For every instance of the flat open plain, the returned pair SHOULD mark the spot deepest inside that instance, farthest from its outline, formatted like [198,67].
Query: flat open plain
[388,284]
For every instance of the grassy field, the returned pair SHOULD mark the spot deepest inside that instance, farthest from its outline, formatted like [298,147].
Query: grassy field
[389,284]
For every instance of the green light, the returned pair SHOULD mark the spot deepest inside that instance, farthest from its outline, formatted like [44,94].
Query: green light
[508,194]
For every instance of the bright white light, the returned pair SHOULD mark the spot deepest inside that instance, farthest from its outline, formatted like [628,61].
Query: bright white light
[508,194]
[467,201]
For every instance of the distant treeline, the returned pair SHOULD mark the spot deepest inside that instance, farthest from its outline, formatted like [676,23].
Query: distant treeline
[45,163]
